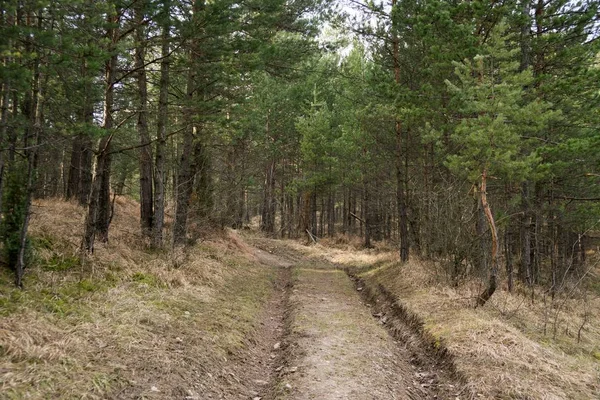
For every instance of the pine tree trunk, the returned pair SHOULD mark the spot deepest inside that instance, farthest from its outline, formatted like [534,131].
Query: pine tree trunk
[99,207]
[353,210]
[331,213]
[74,168]
[185,181]
[401,203]
[345,210]
[85,174]
[163,98]
[97,200]
[525,267]
[185,175]
[203,183]
[400,178]
[493,273]
[30,184]
[366,216]
[305,213]
[283,208]
[6,21]
[4,113]
[80,166]
[508,257]
[482,241]
[321,229]
[313,212]
[31,144]
[267,223]
[145,151]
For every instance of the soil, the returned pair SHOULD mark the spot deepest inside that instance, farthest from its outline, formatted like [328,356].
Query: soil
[323,338]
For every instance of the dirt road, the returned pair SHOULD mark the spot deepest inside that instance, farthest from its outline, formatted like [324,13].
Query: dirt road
[335,345]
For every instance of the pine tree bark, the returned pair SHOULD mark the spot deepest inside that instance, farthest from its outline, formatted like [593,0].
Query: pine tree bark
[74,168]
[493,273]
[145,150]
[161,143]
[331,213]
[366,210]
[87,154]
[185,184]
[185,175]
[267,223]
[203,179]
[400,177]
[4,114]
[525,268]
[305,212]
[80,165]
[508,242]
[268,207]
[282,200]
[33,112]
[313,212]
[99,207]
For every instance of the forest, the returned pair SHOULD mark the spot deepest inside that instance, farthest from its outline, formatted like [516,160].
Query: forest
[464,133]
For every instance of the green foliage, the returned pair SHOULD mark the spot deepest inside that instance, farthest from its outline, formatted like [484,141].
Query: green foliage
[492,99]
[14,213]
[61,262]
[147,279]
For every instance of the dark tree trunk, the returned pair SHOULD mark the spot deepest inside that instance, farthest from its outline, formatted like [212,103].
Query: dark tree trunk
[98,199]
[145,151]
[80,166]
[305,212]
[508,257]
[185,184]
[331,213]
[482,241]
[321,228]
[163,98]
[74,168]
[525,268]
[366,216]
[493,273]
[85,173]
[345,211]
[400,176]
[99,207]
[31,143]
[267,223]
[313,213]
[353,210]
[203,183]
[282,200]
[4,111]
[187,167]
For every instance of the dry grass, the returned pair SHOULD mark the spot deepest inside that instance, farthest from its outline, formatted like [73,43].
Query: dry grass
[343,255]
[508,349]
[127,322]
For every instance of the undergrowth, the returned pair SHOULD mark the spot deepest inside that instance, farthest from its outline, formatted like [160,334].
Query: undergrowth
[126,322]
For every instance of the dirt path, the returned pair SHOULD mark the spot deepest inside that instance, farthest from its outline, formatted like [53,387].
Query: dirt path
[340,352]
[333,343]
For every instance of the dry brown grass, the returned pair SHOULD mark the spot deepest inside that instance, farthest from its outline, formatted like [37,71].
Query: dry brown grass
[507,349]
[127,322]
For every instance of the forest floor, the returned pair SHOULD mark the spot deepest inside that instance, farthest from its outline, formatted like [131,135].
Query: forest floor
[241,316]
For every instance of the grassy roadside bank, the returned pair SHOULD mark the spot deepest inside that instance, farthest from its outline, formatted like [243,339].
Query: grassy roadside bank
[128,323]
